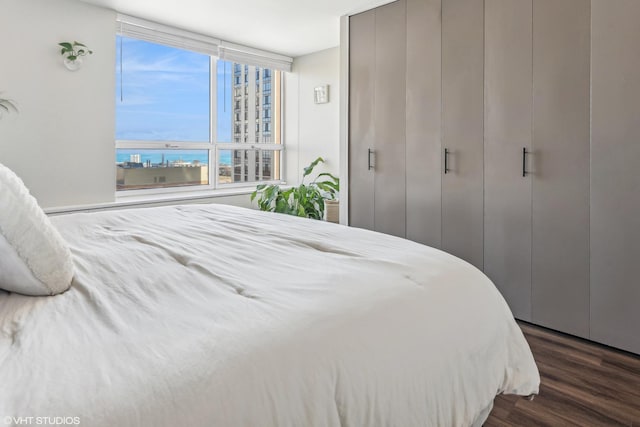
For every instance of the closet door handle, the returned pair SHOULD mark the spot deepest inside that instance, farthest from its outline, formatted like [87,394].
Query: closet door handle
[446,160]
[371,164]
[524,161]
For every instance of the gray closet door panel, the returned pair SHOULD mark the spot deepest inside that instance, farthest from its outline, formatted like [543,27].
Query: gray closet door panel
[560,163]
[615,180]
[423,103]
[389,119]
[462,127]
[361,119]
[508,127]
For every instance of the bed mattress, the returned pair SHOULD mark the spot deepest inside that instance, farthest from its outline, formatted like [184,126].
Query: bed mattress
[212,315]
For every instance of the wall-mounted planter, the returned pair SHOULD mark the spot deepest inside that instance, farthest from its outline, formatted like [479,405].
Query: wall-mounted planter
[73,65]
[73,53]
[7,106]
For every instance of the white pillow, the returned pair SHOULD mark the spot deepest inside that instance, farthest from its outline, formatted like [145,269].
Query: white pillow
[35,258]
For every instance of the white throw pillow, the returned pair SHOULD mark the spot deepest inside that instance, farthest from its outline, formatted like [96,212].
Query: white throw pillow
[35,258]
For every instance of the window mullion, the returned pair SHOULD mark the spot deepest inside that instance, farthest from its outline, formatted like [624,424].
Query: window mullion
[260,107]
[162,145]
[243,111]
[240,146]
[251,110]
[213,123]
[251,107]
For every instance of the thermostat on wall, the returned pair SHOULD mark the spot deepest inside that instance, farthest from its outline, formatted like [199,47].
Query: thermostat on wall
[321,94]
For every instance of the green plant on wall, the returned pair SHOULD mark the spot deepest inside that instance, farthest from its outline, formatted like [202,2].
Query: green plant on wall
[73,50]
[306,200]
[7,106]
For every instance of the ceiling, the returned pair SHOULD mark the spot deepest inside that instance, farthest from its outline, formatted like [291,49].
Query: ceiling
[288,27]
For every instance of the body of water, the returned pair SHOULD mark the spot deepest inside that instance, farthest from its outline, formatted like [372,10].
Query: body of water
[157,156]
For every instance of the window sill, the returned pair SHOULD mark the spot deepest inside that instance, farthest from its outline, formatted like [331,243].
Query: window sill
[127,201]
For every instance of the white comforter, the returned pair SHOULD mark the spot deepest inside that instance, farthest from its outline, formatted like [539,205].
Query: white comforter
[209,315]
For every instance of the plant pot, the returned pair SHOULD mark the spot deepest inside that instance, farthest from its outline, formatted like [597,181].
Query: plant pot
[332,211]
[73,65]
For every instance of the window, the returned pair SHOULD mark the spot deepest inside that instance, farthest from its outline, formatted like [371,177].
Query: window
[182,119]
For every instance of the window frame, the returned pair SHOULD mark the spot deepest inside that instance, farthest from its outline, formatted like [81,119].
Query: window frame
[213,146]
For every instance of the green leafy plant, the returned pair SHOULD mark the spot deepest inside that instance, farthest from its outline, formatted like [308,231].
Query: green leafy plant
[306,200]
[73,50]
[7,106]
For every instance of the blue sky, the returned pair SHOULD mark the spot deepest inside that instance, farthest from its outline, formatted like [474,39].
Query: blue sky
[165,94]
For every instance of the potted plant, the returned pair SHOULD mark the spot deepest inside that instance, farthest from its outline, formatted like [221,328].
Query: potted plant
[305,200]
[73,53]
[7,106]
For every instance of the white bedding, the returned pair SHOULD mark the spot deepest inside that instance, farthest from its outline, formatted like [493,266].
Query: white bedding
[211,315]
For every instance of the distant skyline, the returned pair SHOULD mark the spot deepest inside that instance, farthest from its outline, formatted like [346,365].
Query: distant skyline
[156,156]
[162,93]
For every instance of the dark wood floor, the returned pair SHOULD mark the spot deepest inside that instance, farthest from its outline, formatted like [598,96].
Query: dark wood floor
[582,384]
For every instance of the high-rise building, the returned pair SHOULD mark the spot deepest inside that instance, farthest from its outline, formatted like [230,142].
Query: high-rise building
[253,121]
[252,85]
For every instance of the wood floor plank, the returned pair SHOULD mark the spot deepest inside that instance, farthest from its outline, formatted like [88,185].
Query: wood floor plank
[570,409]
[582,384]
[621,411]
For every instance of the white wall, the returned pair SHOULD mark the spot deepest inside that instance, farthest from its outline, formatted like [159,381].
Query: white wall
[312,130]
[62,142]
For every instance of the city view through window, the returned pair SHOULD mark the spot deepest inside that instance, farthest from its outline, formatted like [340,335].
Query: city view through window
[178,125]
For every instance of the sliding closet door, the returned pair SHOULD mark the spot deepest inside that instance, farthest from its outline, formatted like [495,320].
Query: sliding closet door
[462,127]
[424,88]
[615,179]
[560,165]
[389,118]
[508,128]
[361,118]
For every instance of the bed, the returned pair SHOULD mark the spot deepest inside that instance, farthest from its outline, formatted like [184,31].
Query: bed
[213,315]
